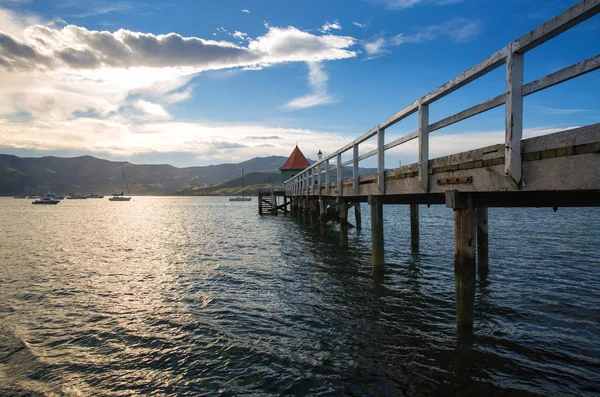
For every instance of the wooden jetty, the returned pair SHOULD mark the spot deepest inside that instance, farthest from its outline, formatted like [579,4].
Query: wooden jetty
[556,170]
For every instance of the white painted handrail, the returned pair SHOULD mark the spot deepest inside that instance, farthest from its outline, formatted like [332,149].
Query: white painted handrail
[513,57]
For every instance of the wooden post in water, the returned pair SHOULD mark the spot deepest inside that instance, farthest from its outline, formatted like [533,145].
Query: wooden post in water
[314,211]
[343,208]
[293,206]
[306,202]
[377,231]
[323,214]
[414,226]
[465,229]
[482,241]
[357,218]
[260,203]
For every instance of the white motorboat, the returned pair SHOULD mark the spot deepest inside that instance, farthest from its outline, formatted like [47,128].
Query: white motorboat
[53,196]
[46,201]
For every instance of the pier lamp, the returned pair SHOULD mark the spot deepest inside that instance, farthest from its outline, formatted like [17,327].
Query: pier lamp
[320,154]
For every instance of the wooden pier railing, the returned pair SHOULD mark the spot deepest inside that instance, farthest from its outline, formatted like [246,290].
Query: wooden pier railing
[561,169]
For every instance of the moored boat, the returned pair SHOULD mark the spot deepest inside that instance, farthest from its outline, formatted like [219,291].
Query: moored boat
[95,195]
[53,196]
[120,196]
[76,196]
[46,201]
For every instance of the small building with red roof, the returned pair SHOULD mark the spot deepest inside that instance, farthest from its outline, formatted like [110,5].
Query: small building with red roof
[293,165]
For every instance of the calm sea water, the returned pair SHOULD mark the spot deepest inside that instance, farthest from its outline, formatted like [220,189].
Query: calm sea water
[200,296]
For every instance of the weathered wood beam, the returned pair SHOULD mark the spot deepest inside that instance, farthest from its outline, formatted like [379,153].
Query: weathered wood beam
[381,161]
[404,139]
[482,241]
[557,25]
[327,181]
[357,216]
[355,168]
[343,208]
[414,226]
[514,117]
[465,229]
[377,243]
[424,146]
[470,112]
[568,73]
[323,215]
[339,174]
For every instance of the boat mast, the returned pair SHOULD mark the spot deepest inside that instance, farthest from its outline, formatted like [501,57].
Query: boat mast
[125,179]
[242,182]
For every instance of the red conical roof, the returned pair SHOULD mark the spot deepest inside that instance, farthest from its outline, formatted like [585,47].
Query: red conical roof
[296,161]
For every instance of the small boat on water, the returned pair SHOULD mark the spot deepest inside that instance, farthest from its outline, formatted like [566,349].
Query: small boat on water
[20,197]
[95,195]
[76,196]
[241,198]
[53,196]
[119,196]
[33,197]
[46,201]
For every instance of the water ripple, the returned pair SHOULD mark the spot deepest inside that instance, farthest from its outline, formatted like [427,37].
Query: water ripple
[197,296]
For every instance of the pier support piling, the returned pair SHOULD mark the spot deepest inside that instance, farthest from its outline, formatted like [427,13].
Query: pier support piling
[323,214]
[357,216]
[314,211]
[377,231]
[465,229]
[414,226]
[482,241]
[343,208]
[306,217]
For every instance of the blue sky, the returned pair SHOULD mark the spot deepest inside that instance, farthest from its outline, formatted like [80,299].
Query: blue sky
[206,82]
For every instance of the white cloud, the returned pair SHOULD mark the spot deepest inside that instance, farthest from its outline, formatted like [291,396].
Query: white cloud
[152,111]
[209,142]
[78,48]
[459,30]
[328,26]
[179,96]
[246,11]
[549,110]
[360,25]
[110,92]
[240,35]
[402,4]
[317,80]
[374,47]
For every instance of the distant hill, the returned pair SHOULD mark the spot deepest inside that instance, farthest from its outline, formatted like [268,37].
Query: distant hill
[233,187]
[86,174]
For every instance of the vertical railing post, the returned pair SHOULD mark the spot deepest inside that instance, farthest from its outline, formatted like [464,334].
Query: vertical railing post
[355,168]
[381,160]
[327,177]
[319,178]
[340,188]
[424,146]
[305,179]
[514,116]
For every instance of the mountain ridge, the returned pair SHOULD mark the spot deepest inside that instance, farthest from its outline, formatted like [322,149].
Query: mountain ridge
[86,174]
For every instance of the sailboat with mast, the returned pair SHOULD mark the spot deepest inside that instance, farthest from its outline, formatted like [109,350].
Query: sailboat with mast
[119,196]
[241,198]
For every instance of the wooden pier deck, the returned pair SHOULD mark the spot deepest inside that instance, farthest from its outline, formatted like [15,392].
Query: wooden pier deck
[556,170]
